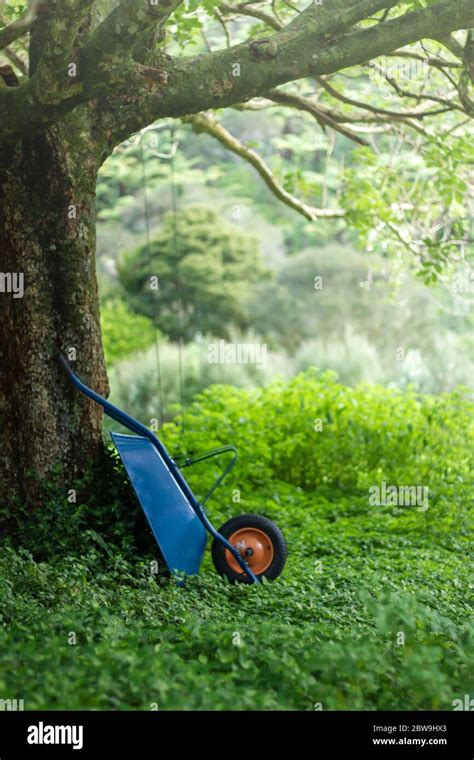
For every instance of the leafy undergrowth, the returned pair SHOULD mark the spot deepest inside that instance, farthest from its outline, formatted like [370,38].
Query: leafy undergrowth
[374,608]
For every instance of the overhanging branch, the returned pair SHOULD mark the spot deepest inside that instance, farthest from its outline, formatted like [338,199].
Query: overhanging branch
[309,106]
[205,123]
[204,82]
[21,26]
[386,112]
[307,46]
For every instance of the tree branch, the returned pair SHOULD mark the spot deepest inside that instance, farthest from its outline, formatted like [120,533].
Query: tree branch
[451,44]
[222,21]
[448,105]
[50,94]
[309,106]
[15,60]
[262,104]
[290,55]
[249,10]
[334,16]
[204,123]
[21,26]
[307,46]
[419,96]
[436,61]
[50,80]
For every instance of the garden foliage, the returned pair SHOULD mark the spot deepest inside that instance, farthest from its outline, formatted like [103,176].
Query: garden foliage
[359,579]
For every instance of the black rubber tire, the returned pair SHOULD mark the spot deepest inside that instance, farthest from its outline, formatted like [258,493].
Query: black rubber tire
[250,521]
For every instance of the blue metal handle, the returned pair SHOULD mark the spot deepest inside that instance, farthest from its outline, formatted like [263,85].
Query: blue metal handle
[136,427]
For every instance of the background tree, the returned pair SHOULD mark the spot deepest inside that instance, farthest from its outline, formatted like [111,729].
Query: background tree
[81,76]
[201,267]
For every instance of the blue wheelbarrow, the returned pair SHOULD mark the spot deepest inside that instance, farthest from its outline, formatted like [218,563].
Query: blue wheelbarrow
[246,548]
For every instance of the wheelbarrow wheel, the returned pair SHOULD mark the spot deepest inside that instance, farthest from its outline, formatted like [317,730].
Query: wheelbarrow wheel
[260,544]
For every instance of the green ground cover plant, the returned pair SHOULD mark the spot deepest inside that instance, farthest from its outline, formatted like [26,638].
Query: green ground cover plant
[374,608]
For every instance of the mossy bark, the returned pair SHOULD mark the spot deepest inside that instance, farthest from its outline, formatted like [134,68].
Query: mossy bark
[47,235]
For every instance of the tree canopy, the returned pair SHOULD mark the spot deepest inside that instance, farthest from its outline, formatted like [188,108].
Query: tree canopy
[393,77]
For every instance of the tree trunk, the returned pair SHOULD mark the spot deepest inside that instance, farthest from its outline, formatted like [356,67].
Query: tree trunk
[47,243]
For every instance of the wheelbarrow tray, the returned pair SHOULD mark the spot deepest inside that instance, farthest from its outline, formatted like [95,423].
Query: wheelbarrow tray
[178,531]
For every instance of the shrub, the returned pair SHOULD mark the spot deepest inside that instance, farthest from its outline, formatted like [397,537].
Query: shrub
[313,431]
[204,267]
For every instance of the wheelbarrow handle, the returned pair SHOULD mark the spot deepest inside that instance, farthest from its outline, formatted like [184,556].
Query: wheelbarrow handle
[112,411]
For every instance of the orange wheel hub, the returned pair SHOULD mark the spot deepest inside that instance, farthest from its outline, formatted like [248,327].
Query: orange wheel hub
[254,547]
